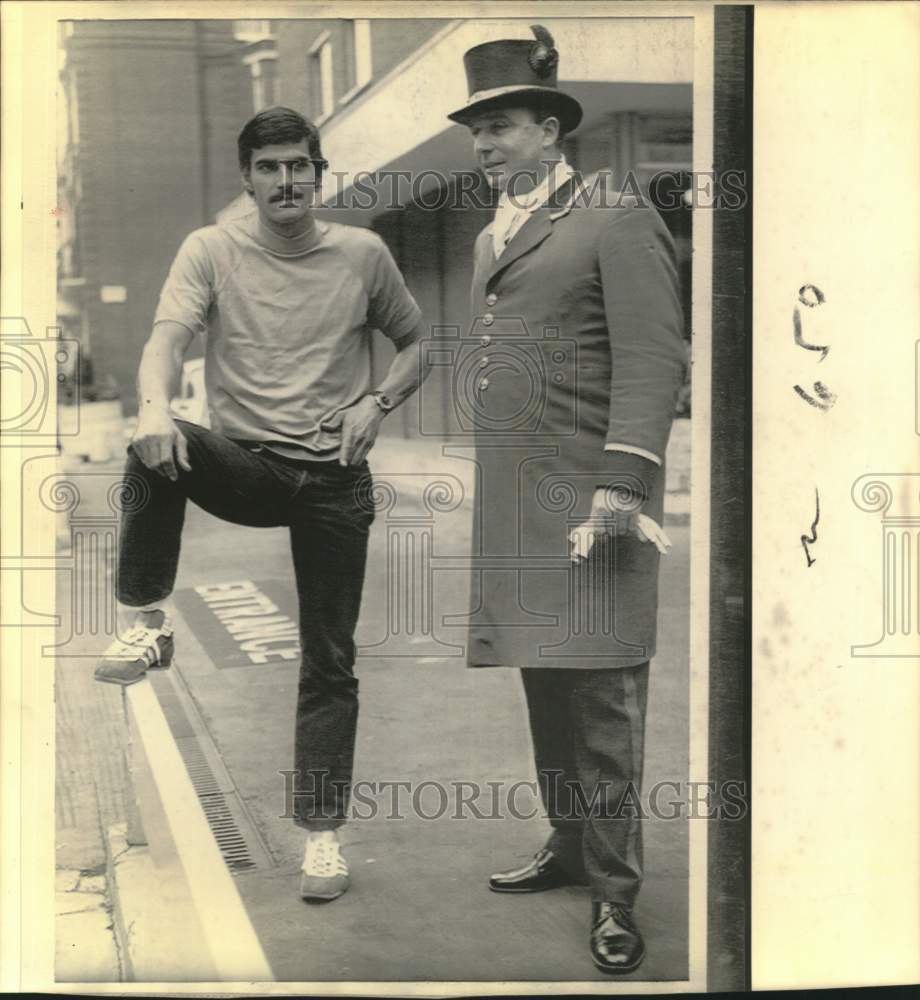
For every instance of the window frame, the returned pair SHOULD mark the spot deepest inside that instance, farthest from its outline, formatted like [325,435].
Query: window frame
[254,62]
[257,34]
[320,60]
[362,57]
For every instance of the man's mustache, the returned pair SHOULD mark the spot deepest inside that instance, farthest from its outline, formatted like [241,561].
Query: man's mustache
[292,190]
[292,195]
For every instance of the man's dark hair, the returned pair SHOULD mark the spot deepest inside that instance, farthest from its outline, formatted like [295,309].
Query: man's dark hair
[274,127]
[541,106]
[542,109]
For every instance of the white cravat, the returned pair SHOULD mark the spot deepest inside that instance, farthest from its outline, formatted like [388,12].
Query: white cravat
[514,211]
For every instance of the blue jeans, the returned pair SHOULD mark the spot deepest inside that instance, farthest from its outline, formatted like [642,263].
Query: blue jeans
[326,506]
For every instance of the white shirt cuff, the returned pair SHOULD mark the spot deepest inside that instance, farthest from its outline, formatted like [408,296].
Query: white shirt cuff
[630,450]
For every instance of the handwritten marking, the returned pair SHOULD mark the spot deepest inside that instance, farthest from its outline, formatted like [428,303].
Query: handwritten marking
[811,296]
[797,326]
[800,340]
[826,398]
[813,537]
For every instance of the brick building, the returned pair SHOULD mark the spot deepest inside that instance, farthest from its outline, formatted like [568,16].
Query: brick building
[150,111]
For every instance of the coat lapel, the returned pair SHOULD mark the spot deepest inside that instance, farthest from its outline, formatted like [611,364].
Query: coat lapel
[537,227]
[531,234]
[483,259]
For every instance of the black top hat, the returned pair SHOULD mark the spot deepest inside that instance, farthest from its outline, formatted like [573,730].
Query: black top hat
[499,72]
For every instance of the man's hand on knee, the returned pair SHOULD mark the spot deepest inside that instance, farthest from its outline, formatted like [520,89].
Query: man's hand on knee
[159,443]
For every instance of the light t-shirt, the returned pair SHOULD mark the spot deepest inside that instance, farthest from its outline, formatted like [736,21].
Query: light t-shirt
[286,325]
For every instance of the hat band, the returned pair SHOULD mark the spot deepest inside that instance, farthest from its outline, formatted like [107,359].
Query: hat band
[486,95]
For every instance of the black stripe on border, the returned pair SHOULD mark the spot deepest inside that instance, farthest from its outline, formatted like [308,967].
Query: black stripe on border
[729,903]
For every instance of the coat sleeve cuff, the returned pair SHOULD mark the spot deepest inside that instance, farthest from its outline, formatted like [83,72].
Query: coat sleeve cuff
[633,450]
[629,471]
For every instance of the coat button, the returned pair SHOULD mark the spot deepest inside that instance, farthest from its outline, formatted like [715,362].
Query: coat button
[484,384]
[491,299]
[484,362]
[485,340]
[488,319]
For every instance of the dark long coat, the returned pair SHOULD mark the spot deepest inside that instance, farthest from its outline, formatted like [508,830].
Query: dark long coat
[575,344]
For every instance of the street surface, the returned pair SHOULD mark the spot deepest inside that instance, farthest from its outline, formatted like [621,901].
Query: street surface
[418,908]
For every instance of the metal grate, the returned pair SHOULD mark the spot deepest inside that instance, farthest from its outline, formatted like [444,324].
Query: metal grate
[236,837]
[220,819]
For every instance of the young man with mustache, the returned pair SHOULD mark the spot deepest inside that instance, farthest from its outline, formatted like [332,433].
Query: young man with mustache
[286,305]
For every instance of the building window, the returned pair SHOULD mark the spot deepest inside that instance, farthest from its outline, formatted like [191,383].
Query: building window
[357,56]
[252,31]
[264,71]
[260,55]
[319,75]
[73,110]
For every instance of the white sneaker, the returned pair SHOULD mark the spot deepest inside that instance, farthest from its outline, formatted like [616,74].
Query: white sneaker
[147,645]
[324,874]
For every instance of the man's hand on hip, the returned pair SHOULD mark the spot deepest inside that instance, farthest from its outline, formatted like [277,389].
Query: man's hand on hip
[359,424]
[615,512]
[159,443]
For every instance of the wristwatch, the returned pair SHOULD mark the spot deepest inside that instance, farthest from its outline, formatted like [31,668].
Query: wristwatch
[383,401]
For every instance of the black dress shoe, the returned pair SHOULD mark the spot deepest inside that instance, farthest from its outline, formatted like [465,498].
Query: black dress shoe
[544,872]
[616,944]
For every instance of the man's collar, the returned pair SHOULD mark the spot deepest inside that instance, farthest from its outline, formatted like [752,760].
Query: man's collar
[289,246]
[557,175]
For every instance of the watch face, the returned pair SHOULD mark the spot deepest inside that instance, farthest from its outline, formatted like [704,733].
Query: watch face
[383,401]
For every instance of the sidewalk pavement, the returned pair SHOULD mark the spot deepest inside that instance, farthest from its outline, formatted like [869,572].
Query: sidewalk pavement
[90,790]
[418,908]
[85,946]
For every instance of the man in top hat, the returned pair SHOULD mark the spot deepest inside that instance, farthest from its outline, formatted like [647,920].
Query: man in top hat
[577,334]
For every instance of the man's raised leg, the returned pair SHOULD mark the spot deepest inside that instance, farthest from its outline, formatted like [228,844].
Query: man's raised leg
[225,479]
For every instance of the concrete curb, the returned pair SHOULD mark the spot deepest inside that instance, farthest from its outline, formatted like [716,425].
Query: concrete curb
[116,849]
[156,941]
[178,914]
